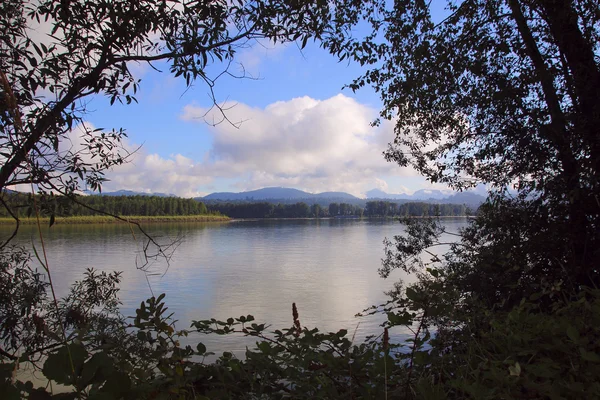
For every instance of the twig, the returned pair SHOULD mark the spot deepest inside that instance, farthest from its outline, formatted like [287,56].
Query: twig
[16,230]
[46,266]
[414,350]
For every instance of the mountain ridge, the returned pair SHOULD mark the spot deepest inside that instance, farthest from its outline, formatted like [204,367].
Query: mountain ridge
[470,198]
[282,193]
[123,192]
[272,193]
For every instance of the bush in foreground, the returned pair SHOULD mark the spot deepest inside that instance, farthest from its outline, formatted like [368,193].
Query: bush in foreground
[84,344]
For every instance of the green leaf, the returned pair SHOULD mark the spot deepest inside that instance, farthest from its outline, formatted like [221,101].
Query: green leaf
[399,319]
[515,370]
[411,294]
[117,384]
[573,334]
[98,366]
[58,366]
[304,40]
[434,272]
[421,357]
[589,356]
[542,370]
[201,348]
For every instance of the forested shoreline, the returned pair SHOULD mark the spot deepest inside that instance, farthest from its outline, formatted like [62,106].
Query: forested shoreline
[374,209]
[98,209]
[87,206]
[107,219]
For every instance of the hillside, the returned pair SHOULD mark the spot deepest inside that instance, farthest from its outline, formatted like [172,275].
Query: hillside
[290,195]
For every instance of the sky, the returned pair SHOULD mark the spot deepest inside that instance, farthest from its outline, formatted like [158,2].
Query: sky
[291,125]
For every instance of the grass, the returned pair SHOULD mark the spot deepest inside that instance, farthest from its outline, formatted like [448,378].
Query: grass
[104,219]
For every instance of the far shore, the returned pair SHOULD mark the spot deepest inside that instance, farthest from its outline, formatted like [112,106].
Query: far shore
[105,219]
[350,218]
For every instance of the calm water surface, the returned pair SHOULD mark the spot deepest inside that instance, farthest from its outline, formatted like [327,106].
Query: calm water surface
[327,267]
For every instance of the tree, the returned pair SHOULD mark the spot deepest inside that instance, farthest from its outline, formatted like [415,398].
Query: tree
[334,209]
[89,50]
[316,210]
[502,92]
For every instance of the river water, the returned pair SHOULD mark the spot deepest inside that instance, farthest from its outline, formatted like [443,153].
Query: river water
[220,270]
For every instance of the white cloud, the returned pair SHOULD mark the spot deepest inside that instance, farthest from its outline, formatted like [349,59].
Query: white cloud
[381,185]
[311,144]
[314,145]
[152,173]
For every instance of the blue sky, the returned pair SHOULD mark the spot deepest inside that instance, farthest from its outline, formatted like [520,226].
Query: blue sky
[299,129]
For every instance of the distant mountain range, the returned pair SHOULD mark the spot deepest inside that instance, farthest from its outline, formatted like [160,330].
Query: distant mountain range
[469,198]
[290,195]
[422,194]
[130,193]
[277,193]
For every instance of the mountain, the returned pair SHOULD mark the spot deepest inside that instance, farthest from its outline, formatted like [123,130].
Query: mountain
[278,193]
[422,194]
[431,194]
[260,194]
[380,194]
[130,193]
[335,195]
[470,198]
[290,195]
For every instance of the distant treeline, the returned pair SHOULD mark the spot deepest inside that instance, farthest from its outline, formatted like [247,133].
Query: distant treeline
[20,204]
[140,205]
[303,210]
[268,210]
[414,209]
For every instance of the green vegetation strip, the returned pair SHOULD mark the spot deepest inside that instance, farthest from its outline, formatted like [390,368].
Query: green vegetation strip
[104,219]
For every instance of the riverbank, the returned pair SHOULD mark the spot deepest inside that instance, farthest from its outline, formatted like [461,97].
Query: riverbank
[395,217]
[105,219]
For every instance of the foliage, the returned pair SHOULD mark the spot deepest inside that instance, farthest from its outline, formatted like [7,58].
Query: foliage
[22,291]
[302,210]
[19,205]
[502,92]
[109,219]
[56,54]
[552,355]
[413,209]
[522,353]
[279,210]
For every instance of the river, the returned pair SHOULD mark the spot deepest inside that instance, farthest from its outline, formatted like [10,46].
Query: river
[327,267]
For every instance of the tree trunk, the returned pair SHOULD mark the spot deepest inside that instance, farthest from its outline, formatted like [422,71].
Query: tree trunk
[559,132]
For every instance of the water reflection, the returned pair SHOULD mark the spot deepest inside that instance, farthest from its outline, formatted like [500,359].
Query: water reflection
[328,267]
